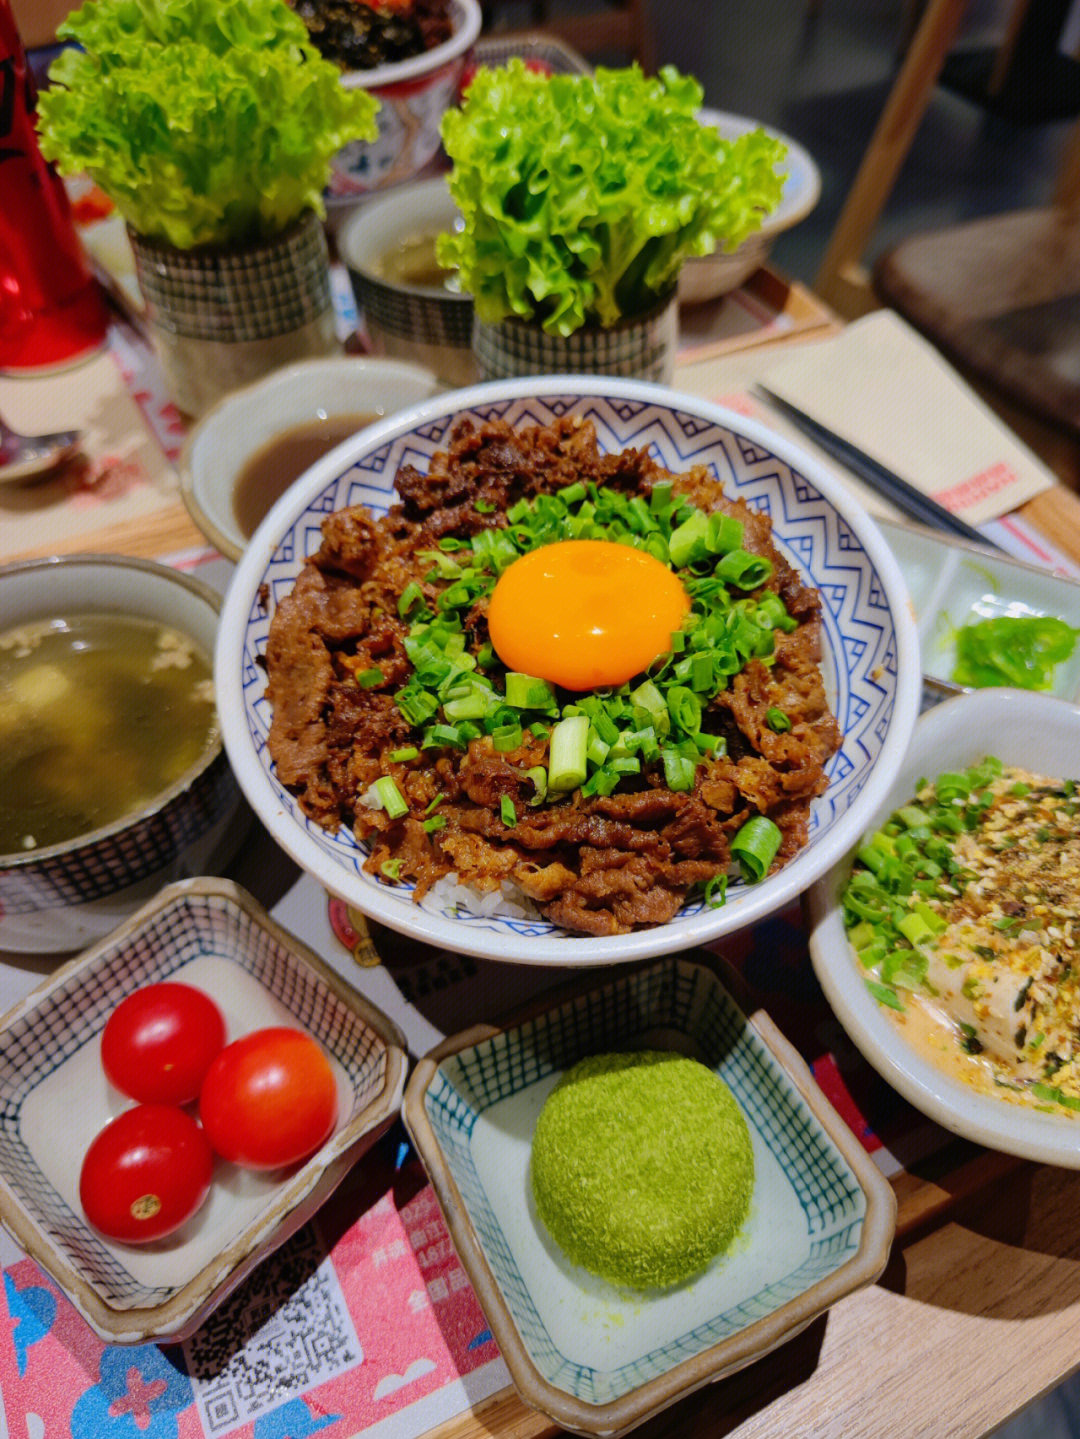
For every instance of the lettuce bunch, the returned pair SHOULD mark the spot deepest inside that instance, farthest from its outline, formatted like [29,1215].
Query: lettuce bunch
[204,121]
[582,195]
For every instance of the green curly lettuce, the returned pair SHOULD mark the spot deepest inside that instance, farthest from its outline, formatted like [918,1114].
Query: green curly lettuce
[204,121]
[582,195]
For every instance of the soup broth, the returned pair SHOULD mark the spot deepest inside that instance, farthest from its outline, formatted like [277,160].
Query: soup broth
[99,713]
[271,470]
[413,262]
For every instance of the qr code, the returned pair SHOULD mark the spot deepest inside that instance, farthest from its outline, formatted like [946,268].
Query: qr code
[274,1339]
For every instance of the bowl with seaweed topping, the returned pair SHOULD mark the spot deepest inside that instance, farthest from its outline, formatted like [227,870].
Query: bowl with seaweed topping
[419,736]
[946,939]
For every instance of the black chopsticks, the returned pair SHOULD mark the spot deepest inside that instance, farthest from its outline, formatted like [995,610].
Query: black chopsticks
[884,481]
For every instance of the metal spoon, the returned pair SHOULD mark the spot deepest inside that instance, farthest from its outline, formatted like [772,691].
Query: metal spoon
[24,456]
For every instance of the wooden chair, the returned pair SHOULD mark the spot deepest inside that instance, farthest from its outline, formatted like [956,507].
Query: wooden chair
[623,28]
[1000,297]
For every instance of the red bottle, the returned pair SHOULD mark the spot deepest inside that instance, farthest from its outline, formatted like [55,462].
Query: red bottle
[51,308]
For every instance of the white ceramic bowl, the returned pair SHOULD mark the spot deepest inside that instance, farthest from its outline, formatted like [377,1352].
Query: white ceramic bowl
[64,896]
[704,277]
[429,324]
[819,1226]
[225,439]
[413,95]
[1039,733]
[54,1097]
[870,660]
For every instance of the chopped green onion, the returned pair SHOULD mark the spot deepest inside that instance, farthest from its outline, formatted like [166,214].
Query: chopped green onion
[777,720]
[567,764]
[400,756]
[743,569]
[526,692]
[391,868]
[411,596]
[715,891]
[390,797]
[507,737]
[444,734]
[435,823]
[507,812]
[678,771]
[755,847]
[367,678]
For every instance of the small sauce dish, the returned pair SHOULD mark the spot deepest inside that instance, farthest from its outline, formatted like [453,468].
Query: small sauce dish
[245,452]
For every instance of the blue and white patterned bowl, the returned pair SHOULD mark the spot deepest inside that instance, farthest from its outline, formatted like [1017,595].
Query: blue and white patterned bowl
[54,1097]
[413,96]
[596,1358]
[870,646]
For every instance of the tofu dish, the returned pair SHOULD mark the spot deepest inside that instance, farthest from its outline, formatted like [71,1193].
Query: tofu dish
[964,912]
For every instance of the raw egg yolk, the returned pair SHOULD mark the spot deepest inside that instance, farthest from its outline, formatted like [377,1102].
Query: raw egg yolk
[585,614]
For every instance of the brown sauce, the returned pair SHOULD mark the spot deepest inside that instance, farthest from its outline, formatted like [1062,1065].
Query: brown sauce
[271,470]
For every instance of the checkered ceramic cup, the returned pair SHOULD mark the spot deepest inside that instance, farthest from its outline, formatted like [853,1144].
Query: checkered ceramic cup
[223,317]
[639,348]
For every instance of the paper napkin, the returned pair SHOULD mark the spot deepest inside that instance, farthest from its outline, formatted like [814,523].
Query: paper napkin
[880,385]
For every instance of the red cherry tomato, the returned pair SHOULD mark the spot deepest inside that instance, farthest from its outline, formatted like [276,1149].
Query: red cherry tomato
[145,1173]
[269,1099]
[159,1042]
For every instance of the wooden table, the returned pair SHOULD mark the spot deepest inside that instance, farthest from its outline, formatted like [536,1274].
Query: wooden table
[978,1311]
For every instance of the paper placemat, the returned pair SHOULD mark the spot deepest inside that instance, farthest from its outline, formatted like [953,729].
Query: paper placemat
[122,472]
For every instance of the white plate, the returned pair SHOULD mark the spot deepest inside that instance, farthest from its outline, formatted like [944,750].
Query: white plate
[953,583]
[1039,733]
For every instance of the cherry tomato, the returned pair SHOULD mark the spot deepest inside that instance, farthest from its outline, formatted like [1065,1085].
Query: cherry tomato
[269,1099]
[159,1042]
[145,1173]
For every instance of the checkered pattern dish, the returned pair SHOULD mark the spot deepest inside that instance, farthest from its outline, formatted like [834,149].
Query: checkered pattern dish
[870,661]
[643,346]
[126,852]
[819,1226]
[53,1098]
[252,292]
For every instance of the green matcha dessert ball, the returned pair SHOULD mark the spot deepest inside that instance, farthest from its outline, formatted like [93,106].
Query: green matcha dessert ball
[642,1168]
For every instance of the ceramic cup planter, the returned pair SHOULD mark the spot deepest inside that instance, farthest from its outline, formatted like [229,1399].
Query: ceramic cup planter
[640,347]
[223,317]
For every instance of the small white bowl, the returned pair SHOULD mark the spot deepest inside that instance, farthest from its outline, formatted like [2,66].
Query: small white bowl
[870,659]
[704,277]
[428,324]
[54,1097]
[1034,731]
[229,435]
[595,1358]
[413,96]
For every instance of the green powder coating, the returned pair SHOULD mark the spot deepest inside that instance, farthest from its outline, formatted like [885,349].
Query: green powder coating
[642,1168]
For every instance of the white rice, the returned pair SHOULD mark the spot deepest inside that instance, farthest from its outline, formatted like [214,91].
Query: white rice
[509,901]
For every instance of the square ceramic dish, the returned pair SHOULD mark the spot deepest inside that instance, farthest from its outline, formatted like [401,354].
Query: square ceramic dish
[596,1358]
[54,1097]
[954,584]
